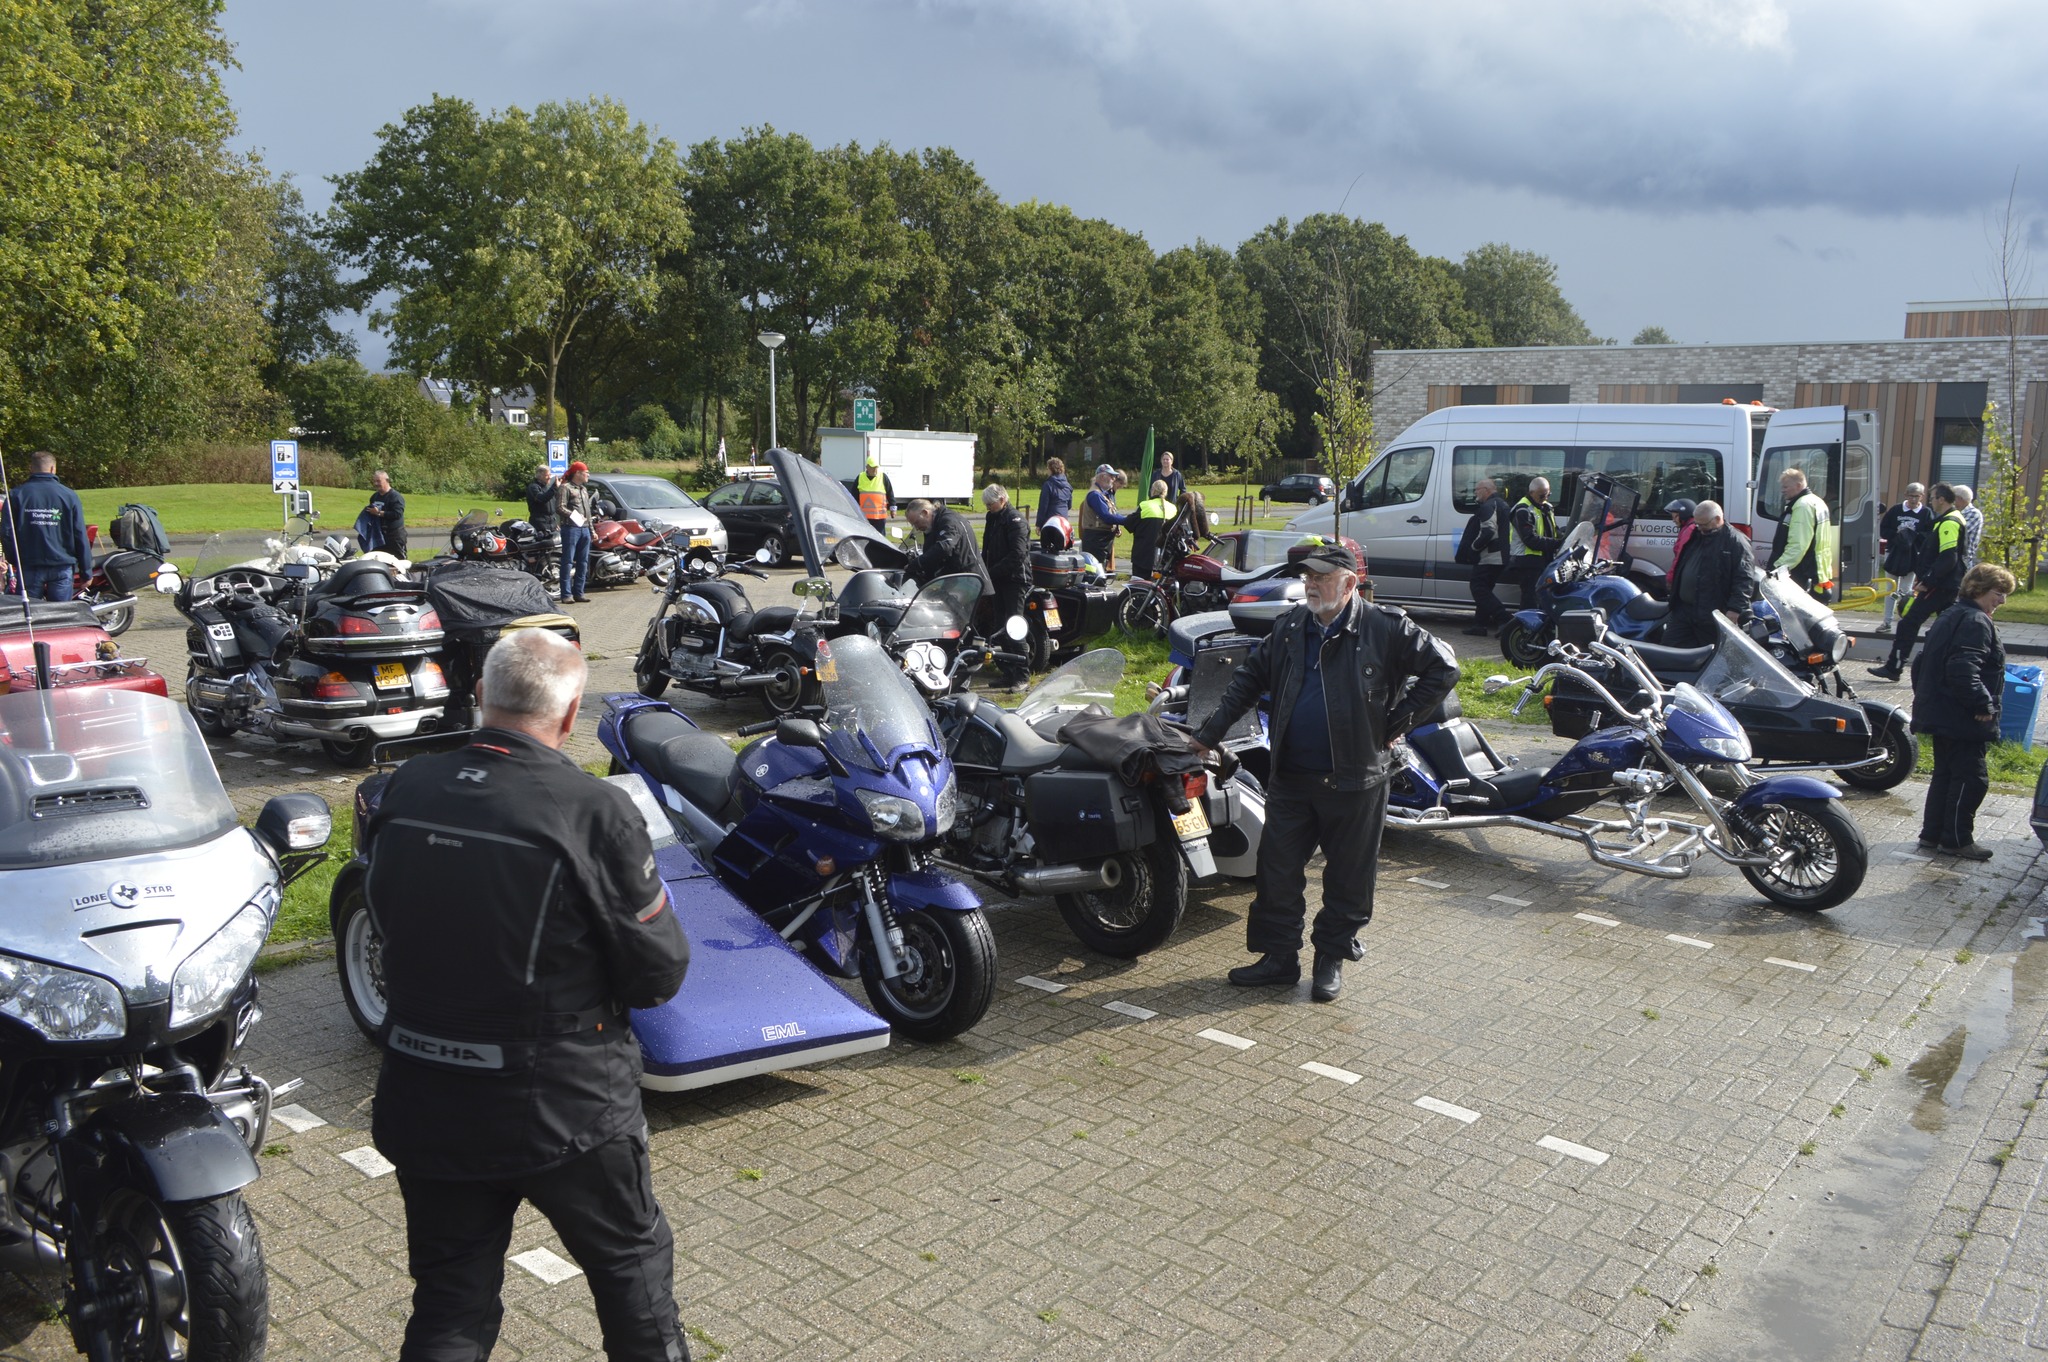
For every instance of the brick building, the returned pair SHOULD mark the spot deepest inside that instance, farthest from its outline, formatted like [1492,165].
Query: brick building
[1928,389]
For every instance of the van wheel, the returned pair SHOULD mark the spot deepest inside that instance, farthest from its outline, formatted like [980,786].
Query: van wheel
[1523,646]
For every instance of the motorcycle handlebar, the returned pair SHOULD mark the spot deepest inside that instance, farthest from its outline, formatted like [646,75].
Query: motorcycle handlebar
[765,726]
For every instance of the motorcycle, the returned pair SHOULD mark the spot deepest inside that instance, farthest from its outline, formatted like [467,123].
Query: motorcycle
[1070,601]
[925,633]
[614,554]
[1183,582]
[826,828]
[706,636]
[137,904]
[1038,815]
[512,543]
[348,660]
[1787,834]
[111,590]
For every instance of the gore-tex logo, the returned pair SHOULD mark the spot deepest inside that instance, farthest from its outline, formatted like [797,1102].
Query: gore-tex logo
[783,1031]
[435,840]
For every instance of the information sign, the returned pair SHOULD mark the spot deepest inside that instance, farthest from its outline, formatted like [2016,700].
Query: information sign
[284,466]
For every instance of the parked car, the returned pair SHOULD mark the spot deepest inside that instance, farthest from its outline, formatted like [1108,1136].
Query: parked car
[657,504]
[754,516]
[1313,488]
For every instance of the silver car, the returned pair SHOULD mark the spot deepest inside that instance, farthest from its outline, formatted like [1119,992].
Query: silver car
[658,504]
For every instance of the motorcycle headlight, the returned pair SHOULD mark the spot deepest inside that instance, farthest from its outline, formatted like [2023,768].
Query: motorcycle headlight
[59,1003]
[949,804]
[209,976]
[1734,749]
[893,817]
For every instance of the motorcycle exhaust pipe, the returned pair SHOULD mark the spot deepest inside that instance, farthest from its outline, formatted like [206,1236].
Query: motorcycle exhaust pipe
[1070,879]
[212,690]
[754,681]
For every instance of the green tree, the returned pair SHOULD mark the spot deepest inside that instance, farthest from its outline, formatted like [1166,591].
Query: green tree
[302,287]
[2015,521]
[1515,295]
[1653,335]
[1083,306]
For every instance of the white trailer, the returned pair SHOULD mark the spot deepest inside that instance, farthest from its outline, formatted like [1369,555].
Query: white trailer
[919,463]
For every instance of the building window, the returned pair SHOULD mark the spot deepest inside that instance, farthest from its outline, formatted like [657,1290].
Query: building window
[1478,395]
[1550,394]
[1958,432]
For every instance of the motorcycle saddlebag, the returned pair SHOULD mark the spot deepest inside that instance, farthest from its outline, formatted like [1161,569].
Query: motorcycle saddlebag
[1056,569]
[1085,815]
[130,572]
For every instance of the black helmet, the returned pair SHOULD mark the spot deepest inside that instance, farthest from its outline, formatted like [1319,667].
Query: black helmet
[1680,510]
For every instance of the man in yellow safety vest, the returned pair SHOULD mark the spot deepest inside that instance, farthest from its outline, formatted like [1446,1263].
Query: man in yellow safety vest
[877,496]
[1153,514]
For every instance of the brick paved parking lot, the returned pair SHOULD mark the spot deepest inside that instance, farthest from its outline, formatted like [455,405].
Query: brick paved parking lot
[1556,1113]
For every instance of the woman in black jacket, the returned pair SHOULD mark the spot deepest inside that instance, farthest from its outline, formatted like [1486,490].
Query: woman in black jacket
[1958,683]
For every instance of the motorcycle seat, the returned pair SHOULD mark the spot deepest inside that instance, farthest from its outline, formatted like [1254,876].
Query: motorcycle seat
[1239,576]
[678,754]
[775,619]
[363,578]
[1646,607]
[1683,663]
[1027,752]
[1455,750]
[643,538]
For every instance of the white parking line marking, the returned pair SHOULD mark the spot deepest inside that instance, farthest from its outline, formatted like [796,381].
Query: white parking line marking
[337,780]
[547,1265]
[305,771]
[270,761]
[1131,1010]
[1450,1109]
[1331,1071]
[1573,1151]
[1596,919]
[1427,884]
[1225,1038]
[296,1118]
[1042,985]
[241,756]
[367,1161]
[1790,964]
[1912,856]
[1689,941]
[1511,902]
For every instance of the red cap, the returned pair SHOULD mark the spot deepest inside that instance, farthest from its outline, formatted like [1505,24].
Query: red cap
[579,467]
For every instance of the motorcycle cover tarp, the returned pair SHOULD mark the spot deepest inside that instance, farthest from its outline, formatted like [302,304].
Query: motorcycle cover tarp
[1132,744]
[472,598]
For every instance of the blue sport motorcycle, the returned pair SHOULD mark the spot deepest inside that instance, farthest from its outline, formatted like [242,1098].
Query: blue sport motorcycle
[825,829]
[1788,835]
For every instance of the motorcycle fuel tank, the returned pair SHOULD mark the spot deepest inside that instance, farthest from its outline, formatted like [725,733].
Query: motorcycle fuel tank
[1200,567]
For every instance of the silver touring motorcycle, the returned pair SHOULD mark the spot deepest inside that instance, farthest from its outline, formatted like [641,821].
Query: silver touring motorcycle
[135,905]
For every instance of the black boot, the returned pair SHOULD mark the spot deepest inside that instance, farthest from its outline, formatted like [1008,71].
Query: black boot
[1329,978]
[1274,967]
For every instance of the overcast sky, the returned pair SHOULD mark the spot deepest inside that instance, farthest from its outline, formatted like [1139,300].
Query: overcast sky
[1733,170]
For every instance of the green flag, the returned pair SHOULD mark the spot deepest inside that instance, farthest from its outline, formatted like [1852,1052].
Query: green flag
[1145,468]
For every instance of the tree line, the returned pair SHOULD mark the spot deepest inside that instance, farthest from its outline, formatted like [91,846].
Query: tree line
[163,290]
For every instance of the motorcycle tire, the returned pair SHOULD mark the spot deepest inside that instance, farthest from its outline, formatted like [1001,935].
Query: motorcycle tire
[649,677]
[1829,859]
[1039,646]
[207,1251]
[792,688]
[117,620]
[1902,754]
[1523,646]
[208,719]
[951,979]
[778,550]
[1141,610]
[355,756]
[358,955]
[1140,913]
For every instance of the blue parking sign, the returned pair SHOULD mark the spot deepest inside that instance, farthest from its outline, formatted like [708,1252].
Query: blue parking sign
[284,466]
[558,457]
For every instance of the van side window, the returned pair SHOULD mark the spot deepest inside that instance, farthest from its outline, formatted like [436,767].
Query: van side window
[1510,467]
[1660,476]
[1395,479]
[1816,461]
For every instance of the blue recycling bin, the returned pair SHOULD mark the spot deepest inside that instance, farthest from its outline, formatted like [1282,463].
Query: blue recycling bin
[2022,704]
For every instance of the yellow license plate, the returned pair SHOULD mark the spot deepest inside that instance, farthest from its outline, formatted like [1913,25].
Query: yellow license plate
[1052,617]
[700,541]
[391,676]
[1192,824]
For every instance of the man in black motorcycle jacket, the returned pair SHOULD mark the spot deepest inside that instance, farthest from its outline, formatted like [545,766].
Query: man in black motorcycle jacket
[521,915]
[948,544]
[1369,673]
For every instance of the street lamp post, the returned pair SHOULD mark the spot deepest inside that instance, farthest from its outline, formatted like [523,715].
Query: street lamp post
[771,339]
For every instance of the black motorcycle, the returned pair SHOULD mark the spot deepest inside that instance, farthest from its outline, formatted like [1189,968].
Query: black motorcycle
[137,904]
[706,636]
[510,543]
[349,660]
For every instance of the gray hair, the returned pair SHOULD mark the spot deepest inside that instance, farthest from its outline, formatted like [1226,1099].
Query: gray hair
[533,674]
[993,495]
[381,473]
[1914,489]
[1963,494]
[917,504]
[1795,475]
[1709,510]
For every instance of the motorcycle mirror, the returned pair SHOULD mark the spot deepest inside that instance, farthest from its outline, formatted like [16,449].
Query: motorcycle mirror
[1016,629]
[799,733]
[763,557]
[1214,520]
[800,589]
[167,580]
[896,532]
[295,822]
[1495,684]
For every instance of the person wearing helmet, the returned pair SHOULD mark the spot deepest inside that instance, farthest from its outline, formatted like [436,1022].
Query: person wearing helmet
[1683,514]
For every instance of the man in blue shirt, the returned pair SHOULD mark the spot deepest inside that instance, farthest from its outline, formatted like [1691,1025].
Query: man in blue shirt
[44,532]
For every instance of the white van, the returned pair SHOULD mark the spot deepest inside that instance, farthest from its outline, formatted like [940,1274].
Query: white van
[1410,505]
[1836,447]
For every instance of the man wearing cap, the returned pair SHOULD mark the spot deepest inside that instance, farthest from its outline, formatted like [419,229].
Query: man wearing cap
[577,507]
[1100,518]
[876,494]
[1344,678]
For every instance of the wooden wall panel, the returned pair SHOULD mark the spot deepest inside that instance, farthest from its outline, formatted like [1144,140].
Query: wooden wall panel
[1638,392]
[1514,394]
[1442,395]
[2030,321]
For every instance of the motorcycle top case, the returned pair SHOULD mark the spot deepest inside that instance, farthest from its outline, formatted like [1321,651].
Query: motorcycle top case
[1057,569]
[1086,815]
[129,572]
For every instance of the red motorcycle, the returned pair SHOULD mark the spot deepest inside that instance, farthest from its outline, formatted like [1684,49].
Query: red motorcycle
[1185,582]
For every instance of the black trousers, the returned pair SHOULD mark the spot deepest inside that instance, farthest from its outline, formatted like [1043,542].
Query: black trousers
[394,542]
[1523,569]
[1101,543]
[602,1206]
[1915,617]
[1689,631]
[1302,814]
[1956,791]
[993,613]
[1485,576]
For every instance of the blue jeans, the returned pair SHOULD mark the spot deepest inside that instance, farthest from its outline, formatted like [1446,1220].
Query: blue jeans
[575,560]
[47,584]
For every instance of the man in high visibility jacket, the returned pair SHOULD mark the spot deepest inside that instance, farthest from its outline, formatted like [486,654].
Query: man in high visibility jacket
[1533,539]
[876,494]
[1938,573]
[1803,545]
[1153,514]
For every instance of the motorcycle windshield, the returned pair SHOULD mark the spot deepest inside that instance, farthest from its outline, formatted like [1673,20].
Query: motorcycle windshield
[1799,614]
[826,520]
[214,555]
[474,520]
[941,610]
[90,774]
[1089,679]
[867,697]
[1743,673]
[1605,512]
